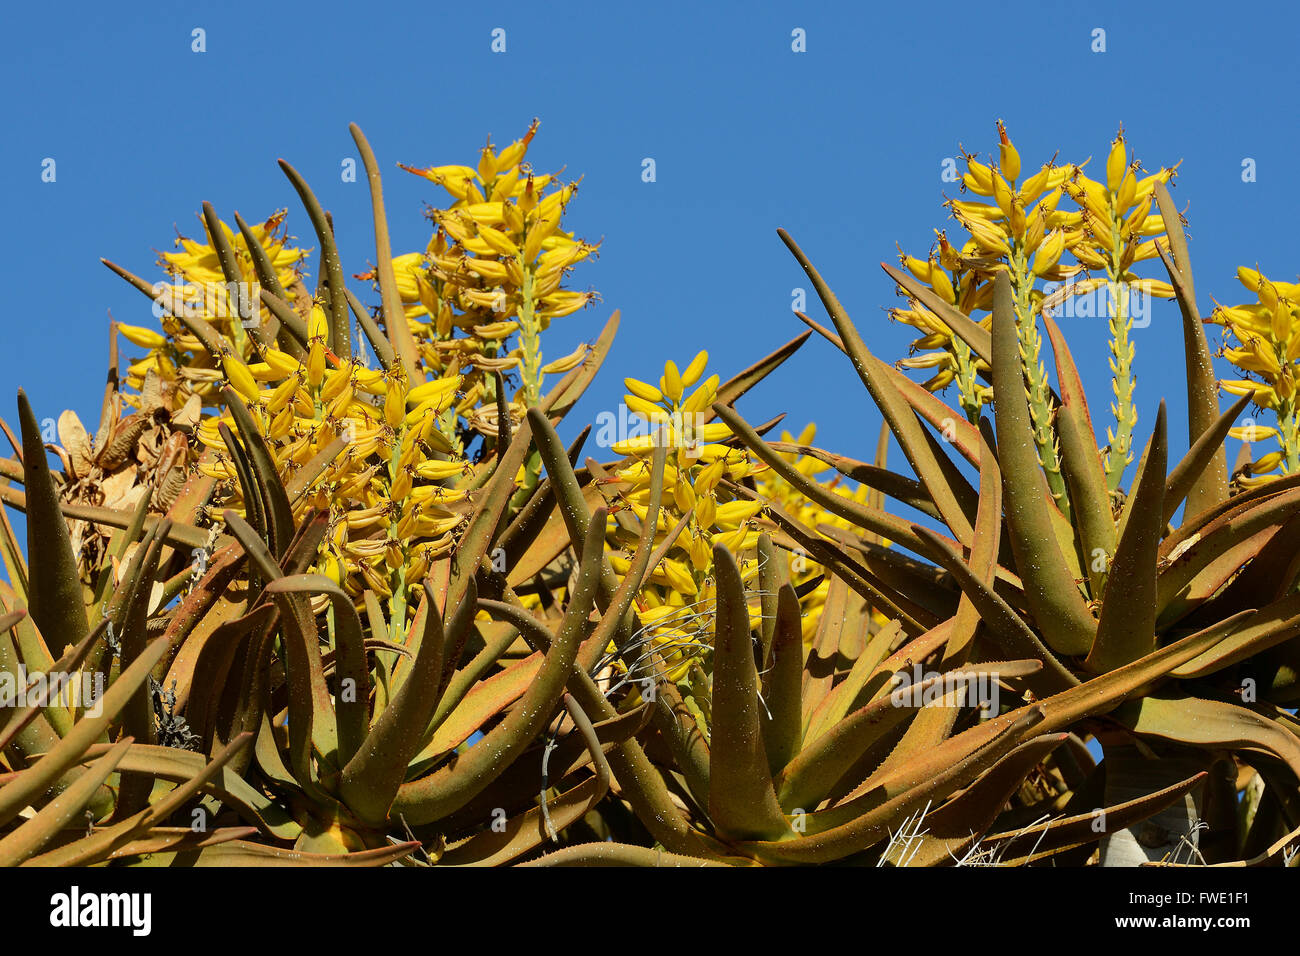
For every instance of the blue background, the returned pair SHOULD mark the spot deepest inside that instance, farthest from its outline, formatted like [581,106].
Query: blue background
[843,145]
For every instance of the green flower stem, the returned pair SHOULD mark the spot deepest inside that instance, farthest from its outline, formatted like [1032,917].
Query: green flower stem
[1119,454]
[1041,411]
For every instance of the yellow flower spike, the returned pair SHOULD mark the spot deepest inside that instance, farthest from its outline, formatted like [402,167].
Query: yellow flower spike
[316,363]
[648,410]
[1127,193]
[241,378]
[1034,186]
[920,268]
[1049,253]
[692,373]
[732,514]
[568,362]
[706,509]
[1116,163]
[335,381]
[498,240]
[683,496]
[281,423]
[672,382]
[1264,465]
[138,335]
[342,402]
[700,551]
[641,445]
[395,401]
[1253,433]
[942,285]
[1009,158]
[401,485]
[643,390]
[978,178]
[679,577]
[703,396]
[439,470]
[317,324]
[1262,395]
[1002,194]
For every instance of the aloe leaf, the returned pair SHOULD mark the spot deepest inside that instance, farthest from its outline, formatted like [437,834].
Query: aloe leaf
[1126,628]
[527,831]
[290,336]
[1082,464]
[1212,724]
[1051,591]
[736,386]
[331,267]
[640,781]
[953,829]
[36,779]
[1205,563]
[1041,841]
[371,779]
[969,331]
[275,501]
[1199,457]
[983,557]
[783,683]
[742,801]
[1211,488]
[452,786]
[54,583]
[621,854]
[950,491]
[352,696]
[1006,627]
[399,333]
[918,783]
[28,838]
[311,717]
[809,776]
[21,717]
[178,766]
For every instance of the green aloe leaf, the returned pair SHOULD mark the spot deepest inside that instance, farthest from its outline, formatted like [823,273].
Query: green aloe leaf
[274,499]
[54,584]
[28,838]
[950,491]
[371,779]
[953,829]
[452,786]
[783,682]
[1211,724]
[1126,629]
[399,332]
[1211,488]
[331,267]
[178,766]
[742,801]
[1050,588]
[1005,627]
[970,332]
[312,722]
[1082,464]
[736,386]
[1200,457]
[352,694]
[40,776]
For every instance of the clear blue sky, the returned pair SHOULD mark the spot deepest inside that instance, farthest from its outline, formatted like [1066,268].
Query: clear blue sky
[843,145]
